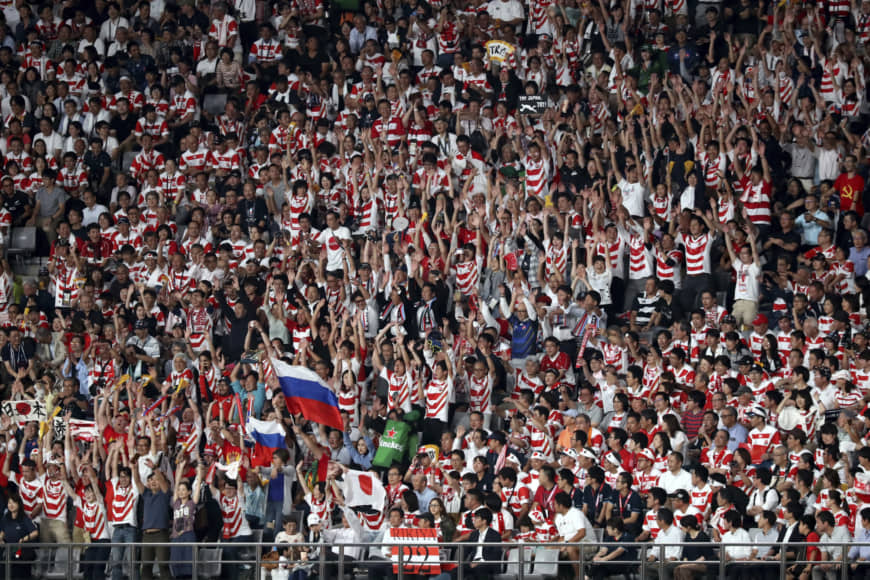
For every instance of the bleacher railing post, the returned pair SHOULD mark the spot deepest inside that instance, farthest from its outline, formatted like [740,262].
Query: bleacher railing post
[322,560]
[401,571]
[460,572]
[522,559]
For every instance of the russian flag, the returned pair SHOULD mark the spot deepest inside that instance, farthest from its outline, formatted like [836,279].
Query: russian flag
[268,437]
[307,394]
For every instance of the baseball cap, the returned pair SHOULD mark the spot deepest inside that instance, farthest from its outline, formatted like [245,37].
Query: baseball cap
[824,371]
[538,455]
[680,494]
[613,457]
[756,367]
[842,374]
[123,220]
[760,319]
[728,319]
[746,360]
[498,436]
[140,324]
[313,520]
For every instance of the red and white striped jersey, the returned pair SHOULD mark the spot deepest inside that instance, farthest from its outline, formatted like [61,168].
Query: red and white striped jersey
[145,161]
[54,500]
[467,276]
[72,179]
[650,524]
[756,200]
[122,509]
[193,161]
[31,492]
[480,393]
[235,523]
[668,265]
[697,253]
[438,396]
[94,518]
[398,390]
[541,441]
[223,30]
[761,441]
[157,129]
[711,167]
[266,50]
[537,175]
[640,258]
[556,258]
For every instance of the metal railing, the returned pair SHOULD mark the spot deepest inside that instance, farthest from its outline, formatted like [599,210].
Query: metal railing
[341,559]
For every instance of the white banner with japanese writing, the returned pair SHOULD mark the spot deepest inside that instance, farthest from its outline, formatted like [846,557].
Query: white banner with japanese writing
[24,411]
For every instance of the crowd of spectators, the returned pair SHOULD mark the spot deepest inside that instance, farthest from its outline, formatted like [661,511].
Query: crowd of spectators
[607,261]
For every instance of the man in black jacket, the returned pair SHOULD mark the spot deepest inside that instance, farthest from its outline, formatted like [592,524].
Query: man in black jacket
[483,561]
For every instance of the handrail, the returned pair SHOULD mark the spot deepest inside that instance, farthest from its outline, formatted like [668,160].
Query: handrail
[333,555]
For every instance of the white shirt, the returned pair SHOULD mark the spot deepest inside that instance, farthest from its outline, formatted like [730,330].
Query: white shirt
[90,215]
[505,11]
[670,482]
[672,535]
[110,27]
[633,196]
[747,287]
[738,536]
[571,522]
[334,249]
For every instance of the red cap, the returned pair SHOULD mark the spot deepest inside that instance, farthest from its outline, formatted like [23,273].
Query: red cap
[760,319]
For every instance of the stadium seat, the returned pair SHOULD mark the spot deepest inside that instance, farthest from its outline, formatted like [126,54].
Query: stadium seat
[512,568]
[546,564]
[127,160]
[22,243]
[209,562]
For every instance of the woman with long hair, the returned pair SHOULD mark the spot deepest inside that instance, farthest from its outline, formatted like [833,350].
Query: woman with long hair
[184,502]
[443,522]
[16,531]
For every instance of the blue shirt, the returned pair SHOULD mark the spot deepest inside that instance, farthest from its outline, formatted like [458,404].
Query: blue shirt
[524,337]
[859,258]
[862,536]
[810,229]
[155,510]
[276,488]
[424,497]
[255,502]
[736,436]
[81,373]
[259,397]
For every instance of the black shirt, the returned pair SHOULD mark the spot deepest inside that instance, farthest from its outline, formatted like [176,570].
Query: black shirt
[197,18]
[97,163]
[312,64]
[123,127]
[701,547]
[16,204]
[14,530]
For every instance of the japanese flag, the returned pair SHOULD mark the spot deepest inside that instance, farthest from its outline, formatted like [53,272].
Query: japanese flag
[363,488]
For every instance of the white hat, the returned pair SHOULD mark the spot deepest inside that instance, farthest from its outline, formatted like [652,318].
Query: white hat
[313,520]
